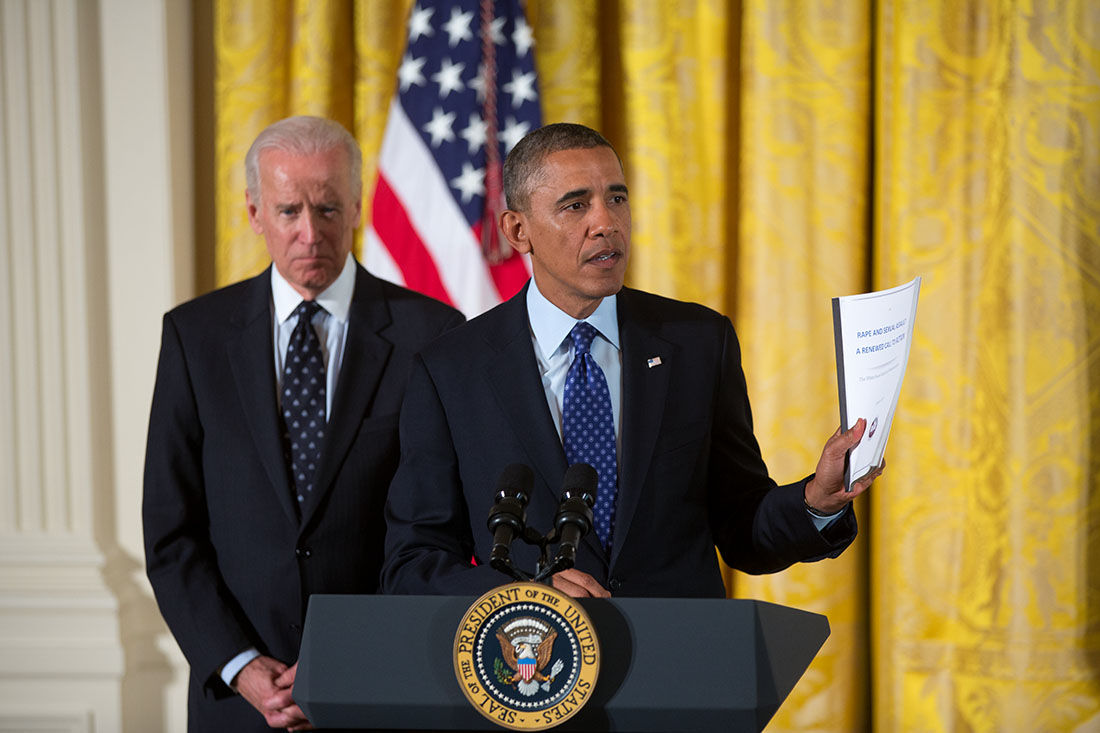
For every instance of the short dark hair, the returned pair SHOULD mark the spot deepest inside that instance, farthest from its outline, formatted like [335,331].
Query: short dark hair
[525,160]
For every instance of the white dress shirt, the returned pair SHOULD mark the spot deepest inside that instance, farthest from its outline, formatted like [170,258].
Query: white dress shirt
[332,331]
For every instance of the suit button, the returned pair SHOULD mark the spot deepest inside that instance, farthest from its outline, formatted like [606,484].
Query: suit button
[303,552]
[615,584]
[298,551]
[307,552]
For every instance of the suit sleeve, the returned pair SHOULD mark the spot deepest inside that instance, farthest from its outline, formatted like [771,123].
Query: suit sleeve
[180,561]
[429,540]
[759,527]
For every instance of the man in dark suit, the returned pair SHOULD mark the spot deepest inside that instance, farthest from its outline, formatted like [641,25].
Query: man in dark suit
[579,369]
[273,433]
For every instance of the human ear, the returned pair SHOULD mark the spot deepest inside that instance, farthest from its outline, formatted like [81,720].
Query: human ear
[513,224]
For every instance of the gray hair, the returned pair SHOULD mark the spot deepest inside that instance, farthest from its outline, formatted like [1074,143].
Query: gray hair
[303,135]
[524,162]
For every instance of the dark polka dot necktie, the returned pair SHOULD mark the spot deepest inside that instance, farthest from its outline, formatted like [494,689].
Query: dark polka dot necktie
[304,402]
[587,427]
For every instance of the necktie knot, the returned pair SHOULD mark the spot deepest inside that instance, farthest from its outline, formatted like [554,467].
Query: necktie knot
[306,310]
[583,334]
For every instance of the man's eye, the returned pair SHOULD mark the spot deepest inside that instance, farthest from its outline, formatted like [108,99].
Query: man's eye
[575,206]
[618,199]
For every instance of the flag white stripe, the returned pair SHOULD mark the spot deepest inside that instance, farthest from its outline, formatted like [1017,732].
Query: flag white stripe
[418,184]
[377,259]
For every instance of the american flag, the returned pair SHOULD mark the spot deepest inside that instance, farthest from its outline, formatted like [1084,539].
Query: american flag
[466,94]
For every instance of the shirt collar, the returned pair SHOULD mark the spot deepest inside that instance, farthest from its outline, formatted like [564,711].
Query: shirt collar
[551,325]
[335,299]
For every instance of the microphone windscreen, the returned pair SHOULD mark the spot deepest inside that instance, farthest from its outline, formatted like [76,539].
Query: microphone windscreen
[516,480]
[581,479]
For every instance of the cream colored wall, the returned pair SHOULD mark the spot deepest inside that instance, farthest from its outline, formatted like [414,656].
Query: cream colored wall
[96,243]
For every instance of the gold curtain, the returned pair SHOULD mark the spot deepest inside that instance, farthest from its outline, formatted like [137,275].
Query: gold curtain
[778,154]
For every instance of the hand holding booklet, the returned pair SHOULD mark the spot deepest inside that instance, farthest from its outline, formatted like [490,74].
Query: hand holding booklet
[873,333]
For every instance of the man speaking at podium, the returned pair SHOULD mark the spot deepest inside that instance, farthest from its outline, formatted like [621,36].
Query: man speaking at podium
[578,369]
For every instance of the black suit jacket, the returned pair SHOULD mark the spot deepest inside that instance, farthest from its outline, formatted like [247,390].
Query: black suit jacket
[231,563]
[690,475]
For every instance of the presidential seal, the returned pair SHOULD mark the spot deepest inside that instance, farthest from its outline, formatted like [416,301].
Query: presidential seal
[526,656]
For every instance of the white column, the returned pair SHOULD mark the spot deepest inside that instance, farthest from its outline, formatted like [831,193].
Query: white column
[147,134]
[95,244]
[61,660]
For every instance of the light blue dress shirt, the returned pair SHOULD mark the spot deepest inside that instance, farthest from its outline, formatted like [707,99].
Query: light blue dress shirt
[550,327]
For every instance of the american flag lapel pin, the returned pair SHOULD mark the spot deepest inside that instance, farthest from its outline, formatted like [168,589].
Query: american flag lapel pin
[654,361]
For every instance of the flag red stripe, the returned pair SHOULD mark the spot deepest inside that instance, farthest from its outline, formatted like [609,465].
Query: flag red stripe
[508,276]
[391,222]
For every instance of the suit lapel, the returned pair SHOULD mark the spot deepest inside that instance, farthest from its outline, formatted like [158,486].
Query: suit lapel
[513,375]
[645,390]
[250,358]
[364,360]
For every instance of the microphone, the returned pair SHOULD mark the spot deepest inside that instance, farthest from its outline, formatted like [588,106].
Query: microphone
[574,519]
[508,515]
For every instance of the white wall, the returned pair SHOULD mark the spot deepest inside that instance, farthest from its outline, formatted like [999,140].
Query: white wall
[96,243]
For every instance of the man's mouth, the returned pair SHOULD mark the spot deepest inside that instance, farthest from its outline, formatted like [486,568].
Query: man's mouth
[605,256]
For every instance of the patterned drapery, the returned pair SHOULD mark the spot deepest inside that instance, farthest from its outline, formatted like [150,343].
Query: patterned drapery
[778,154]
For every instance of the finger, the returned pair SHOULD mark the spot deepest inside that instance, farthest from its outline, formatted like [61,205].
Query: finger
[865,483]
[855,433]
[589,583]
[280,700]
[573,590]
[840,442]
[296,717]
[286,679]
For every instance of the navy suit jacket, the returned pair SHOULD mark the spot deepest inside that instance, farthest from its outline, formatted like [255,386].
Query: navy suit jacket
[231,563]
[690,473]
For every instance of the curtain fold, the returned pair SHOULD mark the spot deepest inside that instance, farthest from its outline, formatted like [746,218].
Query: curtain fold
[779,154]
[984,551]
[804,151]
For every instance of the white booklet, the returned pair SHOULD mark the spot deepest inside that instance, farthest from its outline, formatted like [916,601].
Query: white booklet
[873,333]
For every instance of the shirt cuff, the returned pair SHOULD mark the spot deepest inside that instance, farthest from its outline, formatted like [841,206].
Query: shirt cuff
[823,522]
[236,664]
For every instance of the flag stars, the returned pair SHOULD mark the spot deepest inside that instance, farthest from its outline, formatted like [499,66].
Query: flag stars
[420,23]
[474,134]
[513,132]
[522,87]
[522,37]
[496,30]
[441,127]
[458,27]
[449,78]
[410,73]
[478,83]
[471,183]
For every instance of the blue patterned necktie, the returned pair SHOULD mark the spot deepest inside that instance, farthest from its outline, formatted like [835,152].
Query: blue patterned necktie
[304,401]
[588,429]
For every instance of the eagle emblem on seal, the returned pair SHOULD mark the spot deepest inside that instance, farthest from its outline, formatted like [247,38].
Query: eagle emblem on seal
[527,645]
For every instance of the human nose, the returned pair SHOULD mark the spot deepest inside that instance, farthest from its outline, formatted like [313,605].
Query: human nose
[309,230]
[602,221]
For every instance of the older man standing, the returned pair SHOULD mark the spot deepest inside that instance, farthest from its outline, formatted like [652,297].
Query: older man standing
[273,432]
